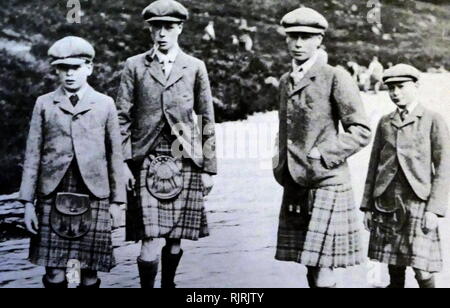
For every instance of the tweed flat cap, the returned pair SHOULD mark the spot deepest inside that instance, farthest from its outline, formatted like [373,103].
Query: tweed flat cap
[401,73]
[71,50]
[165,10]
[304,20]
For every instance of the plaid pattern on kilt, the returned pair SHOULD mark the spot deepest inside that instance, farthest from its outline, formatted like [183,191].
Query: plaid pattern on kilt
[410,246]
[94,250]
[326,233]
[183,217]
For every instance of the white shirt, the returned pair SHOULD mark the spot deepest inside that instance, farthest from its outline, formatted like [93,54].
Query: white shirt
[167,60]
[299,71]
[80,93]
[410,107]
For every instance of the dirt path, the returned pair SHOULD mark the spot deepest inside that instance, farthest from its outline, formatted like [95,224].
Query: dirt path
[243,210]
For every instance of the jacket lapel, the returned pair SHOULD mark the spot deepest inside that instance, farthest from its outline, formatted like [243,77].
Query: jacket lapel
[410,119]
[306,80]
[396,120]
[417,113]
[86,102]
[63,101]
[178,67]
[155,68]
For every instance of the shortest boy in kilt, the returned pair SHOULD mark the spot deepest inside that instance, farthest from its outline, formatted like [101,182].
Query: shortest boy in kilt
[407,183]
[73,171]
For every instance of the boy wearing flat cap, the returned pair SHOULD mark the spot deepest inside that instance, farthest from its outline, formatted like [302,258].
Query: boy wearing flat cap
[407,184]
[167,120]
[73,169]
[318,224]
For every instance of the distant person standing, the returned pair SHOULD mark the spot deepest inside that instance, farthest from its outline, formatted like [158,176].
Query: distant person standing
[375,71]
[245,38]
[166,115]
[407,184]
[318,222]
[210,33]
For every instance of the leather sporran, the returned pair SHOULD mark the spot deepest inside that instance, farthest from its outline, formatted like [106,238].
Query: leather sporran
[389,217]
[71,215]
[164,177]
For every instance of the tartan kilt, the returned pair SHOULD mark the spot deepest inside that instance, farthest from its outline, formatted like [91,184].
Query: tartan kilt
[94,251]
[326,232]
[183,217]
[409,246]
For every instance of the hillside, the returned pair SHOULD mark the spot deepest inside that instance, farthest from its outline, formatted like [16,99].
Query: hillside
[412,31]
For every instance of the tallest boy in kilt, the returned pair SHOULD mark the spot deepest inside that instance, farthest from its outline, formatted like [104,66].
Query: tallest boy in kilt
[165,109]
[318,224]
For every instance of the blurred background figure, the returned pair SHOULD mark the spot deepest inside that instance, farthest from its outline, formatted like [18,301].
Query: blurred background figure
[272,81]
[245,39]
[375,73]
[210,33]
[234,40]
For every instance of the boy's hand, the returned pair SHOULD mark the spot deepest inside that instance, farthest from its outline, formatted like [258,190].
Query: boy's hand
[31,221]
[208,183]
[116,211]
[368,221]
[430,222]
[129,178]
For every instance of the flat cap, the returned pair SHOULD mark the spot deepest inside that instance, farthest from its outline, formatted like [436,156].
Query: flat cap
[401,73]
[304,20]
[165,10]
[71,50]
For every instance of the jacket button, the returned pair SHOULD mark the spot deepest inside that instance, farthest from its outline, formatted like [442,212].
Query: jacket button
[289,121]
[290,142]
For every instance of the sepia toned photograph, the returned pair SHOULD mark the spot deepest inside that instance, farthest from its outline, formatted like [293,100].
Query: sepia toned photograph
[224,145]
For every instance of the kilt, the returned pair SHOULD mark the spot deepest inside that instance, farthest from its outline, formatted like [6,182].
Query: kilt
[183,217]
[409,246]
[94,251]
[319,227]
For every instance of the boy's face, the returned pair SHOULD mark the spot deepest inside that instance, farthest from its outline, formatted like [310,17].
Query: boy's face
[302,46]
[403,93]
[166,34]
[74,77]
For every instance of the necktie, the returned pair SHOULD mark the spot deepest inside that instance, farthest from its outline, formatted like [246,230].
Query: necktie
[403,114]
[297,76]
[74,99]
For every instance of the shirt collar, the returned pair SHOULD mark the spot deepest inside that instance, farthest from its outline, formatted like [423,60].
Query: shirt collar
[410,108]
[80,93]
[169,57]
[305,67]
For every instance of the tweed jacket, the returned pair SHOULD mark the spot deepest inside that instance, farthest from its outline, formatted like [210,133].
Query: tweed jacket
[418,146]
[59,133]
[310,114]
[147,101]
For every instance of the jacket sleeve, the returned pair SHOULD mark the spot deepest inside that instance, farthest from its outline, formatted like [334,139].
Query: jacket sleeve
[349,108]
[368,199]
[204,108]
[124,103]
[440,151]
[32,160]
[114,156]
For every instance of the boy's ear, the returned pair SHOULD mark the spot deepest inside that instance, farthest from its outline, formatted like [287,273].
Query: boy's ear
[90,67]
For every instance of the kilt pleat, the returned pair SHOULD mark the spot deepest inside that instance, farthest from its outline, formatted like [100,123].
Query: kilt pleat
[94,251]
[329,237]
[183,217]
[409,246]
